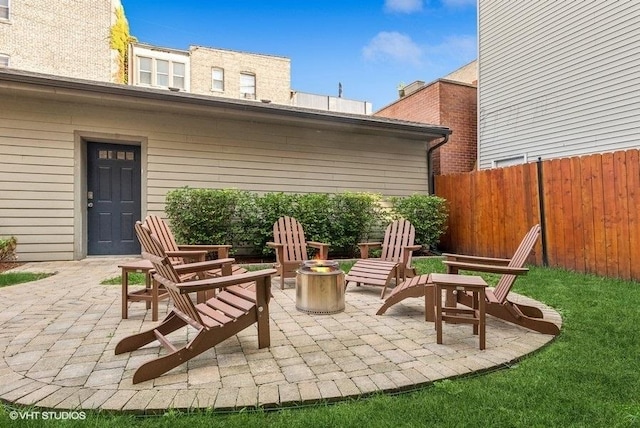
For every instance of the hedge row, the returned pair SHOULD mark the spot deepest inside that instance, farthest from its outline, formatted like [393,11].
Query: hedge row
[245,219]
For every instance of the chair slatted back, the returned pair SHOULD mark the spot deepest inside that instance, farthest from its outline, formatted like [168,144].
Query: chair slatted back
[160,229]
[518,260]
[165,272]
[398,235]
[288,232]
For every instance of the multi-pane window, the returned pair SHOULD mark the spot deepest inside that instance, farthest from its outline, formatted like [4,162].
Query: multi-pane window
[4,60]
[161,72]
[179,78]
[4,9]
[145,69]
[217,79]
[248,85]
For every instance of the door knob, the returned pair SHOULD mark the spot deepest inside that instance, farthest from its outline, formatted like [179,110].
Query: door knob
[90,204]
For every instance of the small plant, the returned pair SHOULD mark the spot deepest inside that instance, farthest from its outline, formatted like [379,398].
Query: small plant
[8,249]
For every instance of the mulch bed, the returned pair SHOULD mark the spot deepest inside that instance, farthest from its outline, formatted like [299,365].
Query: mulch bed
[5,266]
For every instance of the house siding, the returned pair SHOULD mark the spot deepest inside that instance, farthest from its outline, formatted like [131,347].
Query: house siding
[61,38]
[557,79]
[41,196]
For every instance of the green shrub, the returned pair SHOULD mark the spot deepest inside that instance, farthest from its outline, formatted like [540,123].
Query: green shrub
[257,214]
[427,213]
[8,249]
[205,216]
[244,219]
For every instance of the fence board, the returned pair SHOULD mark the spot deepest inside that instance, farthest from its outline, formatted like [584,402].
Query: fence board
[622,231]
[633,196]
[610,215]
[592,213]
[567,253]
[578,215]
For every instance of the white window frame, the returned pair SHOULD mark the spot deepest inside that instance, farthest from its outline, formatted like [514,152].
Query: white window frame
[251,94]
[6,9]
[5,60]
[214,80]
[509,161]
[155,73]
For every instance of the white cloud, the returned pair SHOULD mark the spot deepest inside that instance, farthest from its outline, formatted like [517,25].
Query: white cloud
[392,46]
[459,3]
[403,6]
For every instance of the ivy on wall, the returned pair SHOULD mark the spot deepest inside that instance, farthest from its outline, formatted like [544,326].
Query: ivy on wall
[120,39]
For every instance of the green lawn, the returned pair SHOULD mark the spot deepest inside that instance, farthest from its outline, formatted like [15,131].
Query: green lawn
[11,278]
[589,376]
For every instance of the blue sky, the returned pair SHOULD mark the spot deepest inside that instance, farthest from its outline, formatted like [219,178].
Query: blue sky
[370,46]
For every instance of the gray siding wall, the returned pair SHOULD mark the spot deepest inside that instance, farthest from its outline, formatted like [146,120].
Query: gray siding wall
[41,179]
[558,78]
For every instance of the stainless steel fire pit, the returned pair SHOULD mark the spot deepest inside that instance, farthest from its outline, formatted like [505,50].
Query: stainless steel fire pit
[320,287]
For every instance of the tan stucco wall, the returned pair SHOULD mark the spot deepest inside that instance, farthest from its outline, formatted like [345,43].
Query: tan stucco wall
[43,178]
[63,38]
[273,73]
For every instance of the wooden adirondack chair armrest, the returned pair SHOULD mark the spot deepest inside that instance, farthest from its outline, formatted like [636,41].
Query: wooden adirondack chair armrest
[202,266]
[221,250]
[322,248]
[453,267]
[279,248]
[223,281]
[408,250]
[366,246]
[476,259]
[199,256]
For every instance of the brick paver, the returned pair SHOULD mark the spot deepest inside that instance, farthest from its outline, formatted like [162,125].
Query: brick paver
[58,335]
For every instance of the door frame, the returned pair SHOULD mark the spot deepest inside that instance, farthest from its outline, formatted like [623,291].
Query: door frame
[80,221]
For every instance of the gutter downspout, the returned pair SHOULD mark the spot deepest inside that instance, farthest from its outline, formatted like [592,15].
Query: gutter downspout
[431,180]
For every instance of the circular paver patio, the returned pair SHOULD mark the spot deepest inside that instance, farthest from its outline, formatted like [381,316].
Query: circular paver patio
[57,338]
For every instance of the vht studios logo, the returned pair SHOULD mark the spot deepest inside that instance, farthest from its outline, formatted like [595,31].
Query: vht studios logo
[43,416]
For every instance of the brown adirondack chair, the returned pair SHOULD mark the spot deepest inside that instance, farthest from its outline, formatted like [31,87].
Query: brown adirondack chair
[394,262]
[291,247]
[233,309]
[497,302]
[188,253]
[181,253]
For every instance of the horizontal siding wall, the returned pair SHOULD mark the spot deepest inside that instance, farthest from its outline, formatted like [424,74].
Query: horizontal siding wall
[558,79]
[37,183]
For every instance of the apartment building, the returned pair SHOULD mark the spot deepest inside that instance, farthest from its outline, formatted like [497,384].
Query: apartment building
[58,37]
[208,71]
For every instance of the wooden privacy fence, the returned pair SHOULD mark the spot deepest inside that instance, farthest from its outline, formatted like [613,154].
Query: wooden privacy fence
[589,208]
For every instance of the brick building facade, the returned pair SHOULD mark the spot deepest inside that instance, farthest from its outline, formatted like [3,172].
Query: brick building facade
[449,103]
[272,73]
[60,37]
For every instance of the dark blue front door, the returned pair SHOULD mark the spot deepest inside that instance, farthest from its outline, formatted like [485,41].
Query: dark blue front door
[113,198]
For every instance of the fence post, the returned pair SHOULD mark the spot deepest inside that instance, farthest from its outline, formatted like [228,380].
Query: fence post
[543,226]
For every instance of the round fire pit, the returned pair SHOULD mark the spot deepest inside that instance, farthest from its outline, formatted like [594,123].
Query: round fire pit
[320,287]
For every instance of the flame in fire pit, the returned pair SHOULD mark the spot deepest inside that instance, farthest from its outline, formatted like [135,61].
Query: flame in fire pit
[320,266]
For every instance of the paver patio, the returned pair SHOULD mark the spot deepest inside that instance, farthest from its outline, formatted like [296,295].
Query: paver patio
[57,338]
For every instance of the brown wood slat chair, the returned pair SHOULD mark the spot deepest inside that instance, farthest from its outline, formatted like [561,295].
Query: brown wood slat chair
[291,247]
[497,302]
[233,309]
[394,262]
[179,254]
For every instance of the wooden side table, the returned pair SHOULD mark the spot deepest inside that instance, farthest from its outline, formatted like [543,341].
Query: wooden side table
[474,315]
[151,294]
